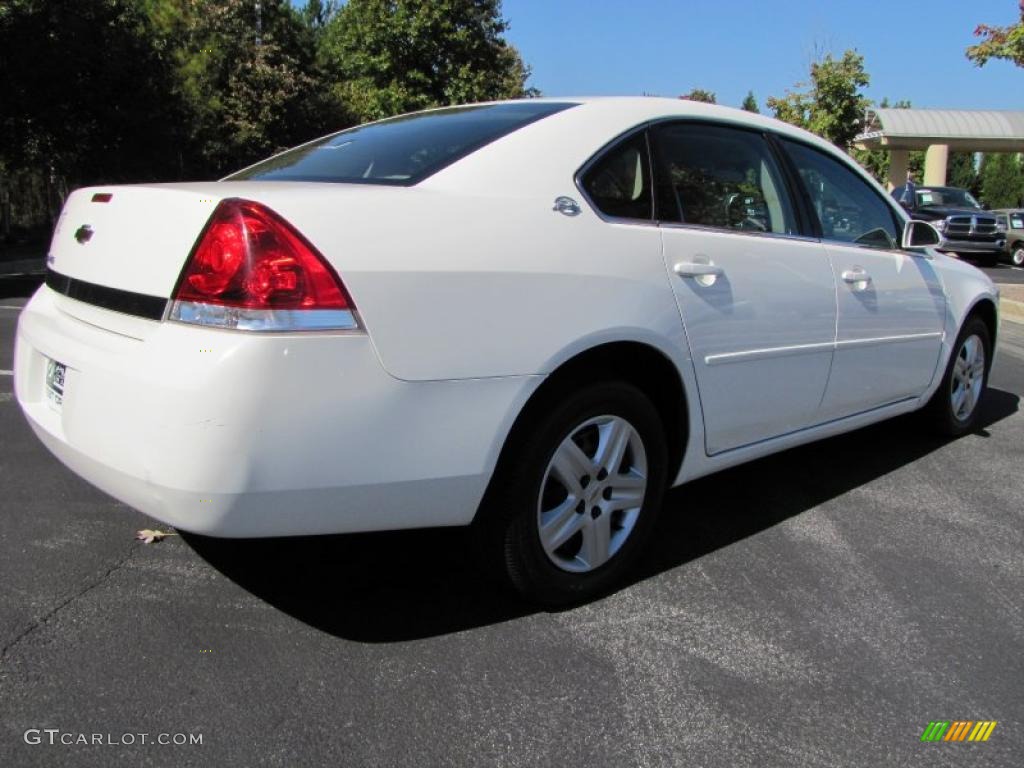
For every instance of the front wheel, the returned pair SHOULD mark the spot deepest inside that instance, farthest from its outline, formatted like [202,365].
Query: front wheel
[953,409]
[575,498]
[1017,255]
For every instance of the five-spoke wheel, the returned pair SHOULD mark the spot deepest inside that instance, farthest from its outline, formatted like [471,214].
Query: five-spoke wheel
[592,493]
[576,492]
[968,377]
[953,409]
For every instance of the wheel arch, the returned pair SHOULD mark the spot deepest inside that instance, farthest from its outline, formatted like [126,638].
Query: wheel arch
[985,308]
[640,364]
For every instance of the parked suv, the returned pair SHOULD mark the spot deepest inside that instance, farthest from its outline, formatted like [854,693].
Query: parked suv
[1011,223]
[969,230]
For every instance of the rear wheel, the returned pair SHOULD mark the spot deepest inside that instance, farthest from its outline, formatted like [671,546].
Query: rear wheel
[574,501]
[953,409]
[1017,255]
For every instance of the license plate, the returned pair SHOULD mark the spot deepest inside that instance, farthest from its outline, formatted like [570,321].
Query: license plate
[55,378]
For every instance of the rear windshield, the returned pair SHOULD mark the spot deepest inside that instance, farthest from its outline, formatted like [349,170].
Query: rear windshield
[401,150]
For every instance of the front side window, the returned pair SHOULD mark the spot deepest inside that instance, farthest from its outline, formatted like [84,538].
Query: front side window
[848,209]
[1017,221]
[619,183]
[722,177]
[401,150]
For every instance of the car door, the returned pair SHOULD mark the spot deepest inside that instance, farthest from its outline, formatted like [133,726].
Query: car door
[891,307]
[756,298]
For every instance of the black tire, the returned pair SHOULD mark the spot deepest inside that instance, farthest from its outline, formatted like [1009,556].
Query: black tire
[940,410]
[507,529]
[1016,255]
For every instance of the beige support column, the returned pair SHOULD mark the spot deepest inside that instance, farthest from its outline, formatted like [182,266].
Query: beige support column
[935,160]
[898,160]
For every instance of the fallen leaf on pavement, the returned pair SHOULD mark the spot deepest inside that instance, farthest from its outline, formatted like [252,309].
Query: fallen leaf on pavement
[149,536]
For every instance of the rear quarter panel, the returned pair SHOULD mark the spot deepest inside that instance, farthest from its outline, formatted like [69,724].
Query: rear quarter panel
[455,285]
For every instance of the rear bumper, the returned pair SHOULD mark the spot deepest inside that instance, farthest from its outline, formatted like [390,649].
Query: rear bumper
[234,434]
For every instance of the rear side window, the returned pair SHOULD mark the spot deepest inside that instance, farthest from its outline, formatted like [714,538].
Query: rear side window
[403,150]
[721,177]
[619,183]
[849,210]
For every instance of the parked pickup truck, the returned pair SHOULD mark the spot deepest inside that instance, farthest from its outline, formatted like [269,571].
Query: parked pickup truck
[1011,221]
[969,230]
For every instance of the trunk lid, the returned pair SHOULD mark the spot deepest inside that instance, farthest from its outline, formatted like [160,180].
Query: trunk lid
[132,238]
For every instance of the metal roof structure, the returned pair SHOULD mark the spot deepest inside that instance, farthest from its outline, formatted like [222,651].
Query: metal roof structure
[971,130]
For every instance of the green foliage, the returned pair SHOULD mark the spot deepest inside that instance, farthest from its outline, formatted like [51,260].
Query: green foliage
[93,91]
[750,103]
[999,43]
[86,95]
[249,94]
[1002,180]
[385,57]
[961,172]
[699,94]
[832,104]
[874,161]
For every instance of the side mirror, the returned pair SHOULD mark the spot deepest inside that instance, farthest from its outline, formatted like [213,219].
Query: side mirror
[920,234]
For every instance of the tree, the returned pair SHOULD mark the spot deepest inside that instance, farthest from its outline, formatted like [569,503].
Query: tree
[961,172]
[86,95]
[999,43]
[832,104]
[699,94]
[391,56]
[750,103]
[1002,180]
[317,14]
[251,83]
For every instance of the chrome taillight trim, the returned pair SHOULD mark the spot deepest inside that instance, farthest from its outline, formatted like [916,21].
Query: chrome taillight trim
[263,320]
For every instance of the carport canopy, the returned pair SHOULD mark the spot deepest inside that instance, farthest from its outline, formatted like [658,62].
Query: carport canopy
[937,131]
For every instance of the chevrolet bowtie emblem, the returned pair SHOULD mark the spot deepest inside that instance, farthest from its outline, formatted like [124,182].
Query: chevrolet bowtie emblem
[83,234]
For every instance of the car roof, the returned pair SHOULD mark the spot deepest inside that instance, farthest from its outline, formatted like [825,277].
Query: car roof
[561,143]
[659,107]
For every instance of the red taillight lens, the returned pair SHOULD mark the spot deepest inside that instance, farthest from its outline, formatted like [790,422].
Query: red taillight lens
[251,258]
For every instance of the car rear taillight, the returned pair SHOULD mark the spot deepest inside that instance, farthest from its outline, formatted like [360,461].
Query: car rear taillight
[251,270]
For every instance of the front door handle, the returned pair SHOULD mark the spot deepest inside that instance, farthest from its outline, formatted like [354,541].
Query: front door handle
[694,269]
[856,275]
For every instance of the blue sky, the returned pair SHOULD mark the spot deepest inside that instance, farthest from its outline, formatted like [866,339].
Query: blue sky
[912,50]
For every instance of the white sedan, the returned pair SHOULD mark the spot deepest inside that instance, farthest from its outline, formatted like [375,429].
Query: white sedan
[532,317]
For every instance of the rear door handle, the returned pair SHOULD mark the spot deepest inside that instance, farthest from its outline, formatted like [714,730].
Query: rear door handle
[856,275]
[693,269]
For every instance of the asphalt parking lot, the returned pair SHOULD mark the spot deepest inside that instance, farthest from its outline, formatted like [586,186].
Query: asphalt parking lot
[816,608]
[1005,274]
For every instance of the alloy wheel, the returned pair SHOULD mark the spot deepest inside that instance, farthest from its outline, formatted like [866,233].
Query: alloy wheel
[968,377]
[592,493]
